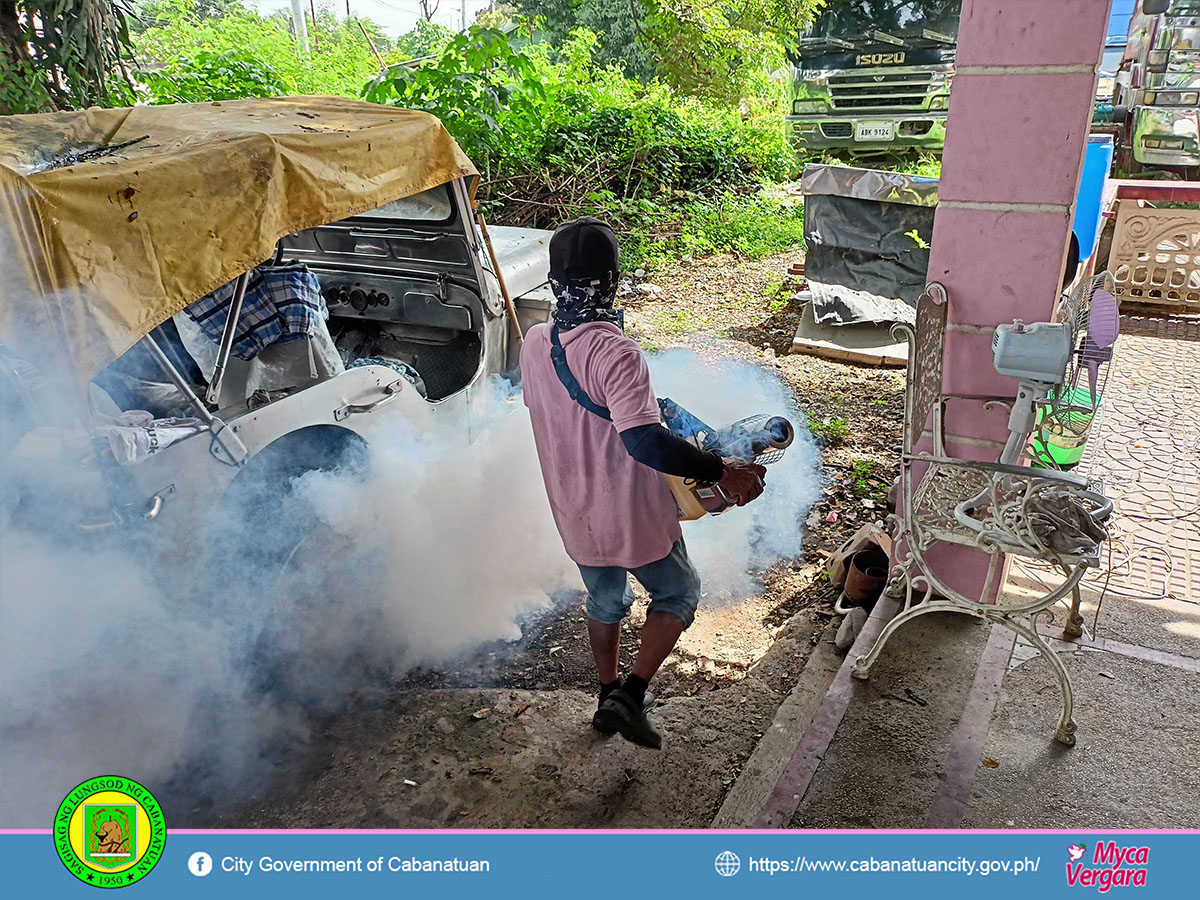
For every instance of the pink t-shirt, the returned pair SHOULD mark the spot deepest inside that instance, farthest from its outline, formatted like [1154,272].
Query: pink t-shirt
[610,509]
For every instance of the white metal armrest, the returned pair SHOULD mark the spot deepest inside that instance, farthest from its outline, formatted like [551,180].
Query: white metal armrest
[1004,493]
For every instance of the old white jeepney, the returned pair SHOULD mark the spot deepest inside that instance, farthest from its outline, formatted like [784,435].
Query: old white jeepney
[117,220]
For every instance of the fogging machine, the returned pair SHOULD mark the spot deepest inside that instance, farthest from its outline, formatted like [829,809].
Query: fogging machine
[761,439]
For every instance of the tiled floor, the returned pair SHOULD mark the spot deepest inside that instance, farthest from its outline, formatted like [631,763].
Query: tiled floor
[1147,452]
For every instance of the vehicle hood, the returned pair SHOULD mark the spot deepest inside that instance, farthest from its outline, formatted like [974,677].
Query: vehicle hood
[524,256]
[103,245]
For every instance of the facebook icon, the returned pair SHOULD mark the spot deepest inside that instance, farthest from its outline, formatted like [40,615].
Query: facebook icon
[200,864]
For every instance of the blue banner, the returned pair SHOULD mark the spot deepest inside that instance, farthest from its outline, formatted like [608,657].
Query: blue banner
[446,865]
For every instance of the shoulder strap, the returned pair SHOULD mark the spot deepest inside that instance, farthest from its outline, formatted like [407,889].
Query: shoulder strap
[558,356]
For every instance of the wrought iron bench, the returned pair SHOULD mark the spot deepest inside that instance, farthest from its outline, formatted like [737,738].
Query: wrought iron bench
[995,508]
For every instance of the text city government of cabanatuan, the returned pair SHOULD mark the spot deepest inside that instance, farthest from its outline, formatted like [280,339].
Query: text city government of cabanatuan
[270,865]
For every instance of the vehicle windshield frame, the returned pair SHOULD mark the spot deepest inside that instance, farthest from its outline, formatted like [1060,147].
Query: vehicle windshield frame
[418,209]
[867,20]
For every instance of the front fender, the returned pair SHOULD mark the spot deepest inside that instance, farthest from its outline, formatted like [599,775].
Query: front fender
[183,483]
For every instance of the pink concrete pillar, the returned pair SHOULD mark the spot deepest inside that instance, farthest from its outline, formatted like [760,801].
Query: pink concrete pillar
[1021,105]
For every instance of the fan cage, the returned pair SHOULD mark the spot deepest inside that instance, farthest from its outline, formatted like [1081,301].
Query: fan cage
[1070,409]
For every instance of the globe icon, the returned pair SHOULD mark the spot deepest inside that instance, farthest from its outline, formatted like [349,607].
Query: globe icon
[727,863]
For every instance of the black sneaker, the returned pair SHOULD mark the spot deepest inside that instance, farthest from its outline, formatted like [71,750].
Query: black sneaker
[621,713]
[600,723]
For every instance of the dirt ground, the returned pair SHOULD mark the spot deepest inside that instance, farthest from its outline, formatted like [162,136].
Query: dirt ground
[503,740]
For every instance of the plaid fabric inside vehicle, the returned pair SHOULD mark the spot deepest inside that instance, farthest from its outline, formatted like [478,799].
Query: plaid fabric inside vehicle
[282,303]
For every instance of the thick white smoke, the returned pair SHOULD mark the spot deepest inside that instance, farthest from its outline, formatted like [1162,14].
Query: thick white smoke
[720,392]
[462,530]
[115,664]
[112,664]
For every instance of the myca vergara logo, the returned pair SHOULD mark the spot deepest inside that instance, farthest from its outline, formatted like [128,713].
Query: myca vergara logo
[109,832]
[1109,866]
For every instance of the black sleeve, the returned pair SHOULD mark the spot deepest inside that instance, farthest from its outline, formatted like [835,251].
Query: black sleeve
[654,446]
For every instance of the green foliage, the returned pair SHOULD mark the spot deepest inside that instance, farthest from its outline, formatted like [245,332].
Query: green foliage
[921,243]
[487,94]
[557,131]
[557,134]
[780,296]
[756,225]
[926,166]
[153,13]
[860,473]
[865,480]
[615,23]
[828,431]
[63,54]
[719,49]
[425,39]
[211,76]
[921,165]
[339,59]
[675,322]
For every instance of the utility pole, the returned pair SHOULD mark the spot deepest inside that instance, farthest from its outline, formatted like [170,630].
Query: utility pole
[301,24]
[462,10]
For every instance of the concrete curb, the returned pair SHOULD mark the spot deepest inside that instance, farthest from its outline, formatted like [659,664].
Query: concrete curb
[774,779]
[766,764]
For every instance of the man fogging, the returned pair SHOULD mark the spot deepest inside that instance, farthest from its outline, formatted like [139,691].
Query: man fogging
[603,451]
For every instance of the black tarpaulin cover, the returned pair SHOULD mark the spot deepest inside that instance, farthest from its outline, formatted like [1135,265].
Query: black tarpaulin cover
[865,232]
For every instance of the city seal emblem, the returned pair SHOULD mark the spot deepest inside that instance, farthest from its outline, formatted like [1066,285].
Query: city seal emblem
[109,832]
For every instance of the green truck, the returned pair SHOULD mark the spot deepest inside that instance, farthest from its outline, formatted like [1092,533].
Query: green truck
[873,77]
[1153,111]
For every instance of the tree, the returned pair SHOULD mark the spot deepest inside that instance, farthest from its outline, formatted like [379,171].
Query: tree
[496,15]
[149,13]
[616,24]
[860,16]
[425,39]
[341,60]
[63,54]
[720,48]
[429,8]
[709,48]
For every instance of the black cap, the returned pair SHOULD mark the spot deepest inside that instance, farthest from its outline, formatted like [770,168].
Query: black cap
[583,251]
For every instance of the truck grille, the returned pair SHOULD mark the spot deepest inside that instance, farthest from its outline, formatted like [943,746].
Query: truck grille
[895,90]
[835,129]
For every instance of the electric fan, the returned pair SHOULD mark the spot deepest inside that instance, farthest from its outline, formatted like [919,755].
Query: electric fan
[1061,368]
[1092,317]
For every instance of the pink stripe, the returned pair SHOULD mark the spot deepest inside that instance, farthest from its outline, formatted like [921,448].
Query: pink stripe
[1133,651]
[966,746]
[785,797]
[589,831]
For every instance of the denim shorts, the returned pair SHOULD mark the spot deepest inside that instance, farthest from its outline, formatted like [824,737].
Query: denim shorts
[672,583]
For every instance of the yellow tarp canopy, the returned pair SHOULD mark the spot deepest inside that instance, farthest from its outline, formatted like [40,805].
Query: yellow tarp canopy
[96,253]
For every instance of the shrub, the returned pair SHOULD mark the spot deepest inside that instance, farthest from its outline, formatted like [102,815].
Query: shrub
[830,431]
[211,76]
[556,136]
